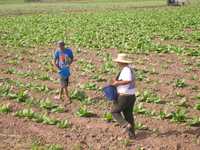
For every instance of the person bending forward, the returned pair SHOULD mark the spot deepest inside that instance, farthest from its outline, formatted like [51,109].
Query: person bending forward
[125,84]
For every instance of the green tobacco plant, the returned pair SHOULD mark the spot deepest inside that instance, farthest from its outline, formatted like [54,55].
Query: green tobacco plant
[180,94]
[126,142]
[183,103]
[164,115]
[41,118]
[10,71]
[40,88]
[44,77]
[13,62]
[47,120]
[198,65]
[149,97]
[5,109]
[78,95]
[58,109]
[26,74]
[87,101]
[86,66]
[197,106]
[38,146]
[89,86]
[198,96]
[194,77]
[27,113]
[180,83]
[83,112]
[139,109]
[140,148]
[4,90]
[179,116]
[29,74]
[98,78]
[29,31]
[81,96]
[28,86]
[195,121]
[108,117]
[141,74]
[55,147]
[49,105]
[140,126]
[63,124]
[21,96]
[108,66]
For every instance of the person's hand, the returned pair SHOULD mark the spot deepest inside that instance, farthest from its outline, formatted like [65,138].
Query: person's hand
[115,83]
[57,66]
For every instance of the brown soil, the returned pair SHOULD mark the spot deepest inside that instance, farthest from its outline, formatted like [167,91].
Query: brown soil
[94,132]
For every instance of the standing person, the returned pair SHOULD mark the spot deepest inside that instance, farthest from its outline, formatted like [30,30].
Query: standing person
[125,84]
[63,58]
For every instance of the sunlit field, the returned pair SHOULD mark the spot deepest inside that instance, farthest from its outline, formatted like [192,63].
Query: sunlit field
[163,42]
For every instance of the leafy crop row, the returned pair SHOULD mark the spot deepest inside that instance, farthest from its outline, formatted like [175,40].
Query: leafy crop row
[5,109]
[23,97]
[132,31]
[28,74]
[148,97]
[39,118]
[81,97]
[177,116]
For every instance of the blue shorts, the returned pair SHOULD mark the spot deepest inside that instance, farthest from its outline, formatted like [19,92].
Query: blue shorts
[64,82]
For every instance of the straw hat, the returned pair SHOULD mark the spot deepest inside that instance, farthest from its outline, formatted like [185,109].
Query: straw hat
[123,58]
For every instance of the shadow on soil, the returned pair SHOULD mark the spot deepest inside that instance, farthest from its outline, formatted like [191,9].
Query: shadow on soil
[143,134]
[194,131]
[169,133]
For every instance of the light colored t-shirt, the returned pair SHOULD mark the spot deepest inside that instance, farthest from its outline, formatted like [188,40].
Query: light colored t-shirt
[126,75]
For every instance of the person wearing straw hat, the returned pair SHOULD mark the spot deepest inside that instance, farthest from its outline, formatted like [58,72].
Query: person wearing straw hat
[125,84]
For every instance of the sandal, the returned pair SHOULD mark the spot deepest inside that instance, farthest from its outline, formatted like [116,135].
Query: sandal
[130,131]
[57,98]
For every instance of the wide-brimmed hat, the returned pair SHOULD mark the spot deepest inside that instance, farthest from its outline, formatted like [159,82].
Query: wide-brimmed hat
[123,58]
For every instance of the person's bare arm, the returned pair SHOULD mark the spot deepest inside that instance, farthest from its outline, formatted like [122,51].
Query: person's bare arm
[55,64]
[71,61]
[117,83]
[121,82]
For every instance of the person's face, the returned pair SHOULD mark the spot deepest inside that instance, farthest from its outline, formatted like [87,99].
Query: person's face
[61,47]
[121,65]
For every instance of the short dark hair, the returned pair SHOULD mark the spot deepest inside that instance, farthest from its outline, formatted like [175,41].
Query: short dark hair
[61,43]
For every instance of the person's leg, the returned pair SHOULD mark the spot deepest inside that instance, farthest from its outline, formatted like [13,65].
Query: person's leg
[67,94]
[128,114]
[60,93]
[118,107]
[62,85]
[66,90]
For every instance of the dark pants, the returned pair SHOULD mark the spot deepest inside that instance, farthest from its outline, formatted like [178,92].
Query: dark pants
[124,105]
